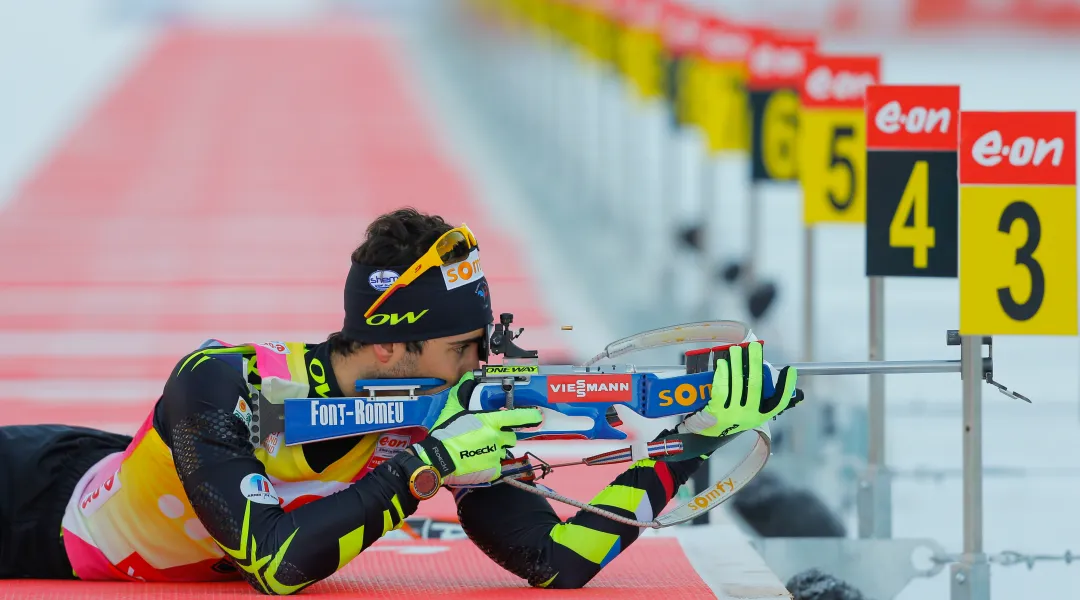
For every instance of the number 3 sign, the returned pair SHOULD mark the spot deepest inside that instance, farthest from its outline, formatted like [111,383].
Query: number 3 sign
[1018,223]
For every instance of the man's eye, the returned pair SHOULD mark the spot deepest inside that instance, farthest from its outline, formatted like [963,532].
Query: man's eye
[461,350]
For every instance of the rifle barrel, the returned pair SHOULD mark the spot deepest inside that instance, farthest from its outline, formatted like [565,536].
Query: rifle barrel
[885,367]
[881,366]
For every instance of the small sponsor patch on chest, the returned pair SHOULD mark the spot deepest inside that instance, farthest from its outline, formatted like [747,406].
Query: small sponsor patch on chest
[243,411]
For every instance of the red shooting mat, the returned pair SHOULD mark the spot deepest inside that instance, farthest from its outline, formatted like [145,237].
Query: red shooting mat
[651,568]
[216,192]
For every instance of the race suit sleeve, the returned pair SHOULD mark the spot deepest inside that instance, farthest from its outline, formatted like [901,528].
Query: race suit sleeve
[277,552]
[521,532]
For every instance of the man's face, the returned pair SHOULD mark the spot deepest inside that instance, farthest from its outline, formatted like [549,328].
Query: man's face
[447,358]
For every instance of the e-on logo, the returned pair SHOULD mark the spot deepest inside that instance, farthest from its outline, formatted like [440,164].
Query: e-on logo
[686,394]
[278,347]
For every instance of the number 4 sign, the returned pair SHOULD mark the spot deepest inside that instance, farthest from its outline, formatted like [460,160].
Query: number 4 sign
[911,180]
[1018,223]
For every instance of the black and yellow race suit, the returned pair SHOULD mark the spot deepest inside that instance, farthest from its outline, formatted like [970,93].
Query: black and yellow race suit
[191,498]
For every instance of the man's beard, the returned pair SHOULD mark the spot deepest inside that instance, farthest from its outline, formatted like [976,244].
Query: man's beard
[404,369]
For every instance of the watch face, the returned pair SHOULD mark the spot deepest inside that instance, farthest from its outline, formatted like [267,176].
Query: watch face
[425,482]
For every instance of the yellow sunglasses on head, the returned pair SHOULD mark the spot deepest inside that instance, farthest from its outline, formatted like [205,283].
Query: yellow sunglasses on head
[451,248]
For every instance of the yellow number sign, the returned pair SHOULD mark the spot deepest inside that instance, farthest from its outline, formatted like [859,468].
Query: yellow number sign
[778,132]
[1018,268]
[832,138]
[723,110]
[776,65]
[640,48]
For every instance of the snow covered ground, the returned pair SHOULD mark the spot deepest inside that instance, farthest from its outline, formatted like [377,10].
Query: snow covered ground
[55,61]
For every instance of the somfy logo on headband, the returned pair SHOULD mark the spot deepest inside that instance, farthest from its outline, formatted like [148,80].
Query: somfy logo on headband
[382,280]
[459,274]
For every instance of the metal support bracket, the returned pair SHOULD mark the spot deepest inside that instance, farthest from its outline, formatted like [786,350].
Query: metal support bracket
[952,338]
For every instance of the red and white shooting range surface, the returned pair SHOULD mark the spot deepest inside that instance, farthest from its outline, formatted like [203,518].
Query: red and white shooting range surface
[217,192]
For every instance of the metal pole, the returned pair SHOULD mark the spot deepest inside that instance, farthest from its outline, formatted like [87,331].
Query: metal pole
[805,424]
[808,294]
[749,278]
[670,196]
[971,576]
[875,493]
[599,199]
[552,170]
[709,206]
[564,132]
[885,367]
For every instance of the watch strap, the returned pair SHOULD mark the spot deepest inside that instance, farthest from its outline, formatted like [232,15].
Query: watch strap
[409,463]
[433,452]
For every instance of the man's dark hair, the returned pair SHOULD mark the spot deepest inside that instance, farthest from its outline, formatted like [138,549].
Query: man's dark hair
[396,238]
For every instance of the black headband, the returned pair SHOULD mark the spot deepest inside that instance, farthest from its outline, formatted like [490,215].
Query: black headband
[441,302]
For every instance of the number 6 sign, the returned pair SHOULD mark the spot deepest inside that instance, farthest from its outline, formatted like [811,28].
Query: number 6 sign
[1018,223]
[776,66]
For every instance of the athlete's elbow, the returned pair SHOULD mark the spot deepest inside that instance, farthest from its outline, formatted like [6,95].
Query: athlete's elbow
[567,580]
[275,591]
[270,587]
[568,584]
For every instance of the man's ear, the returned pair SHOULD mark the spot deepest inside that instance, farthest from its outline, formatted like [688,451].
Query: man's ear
[387,355]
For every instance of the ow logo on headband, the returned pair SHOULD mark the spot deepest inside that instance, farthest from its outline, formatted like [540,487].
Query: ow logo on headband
[459,274]
[410,317]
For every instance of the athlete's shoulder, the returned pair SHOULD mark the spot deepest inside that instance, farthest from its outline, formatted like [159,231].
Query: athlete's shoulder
[234,357]
[205,386]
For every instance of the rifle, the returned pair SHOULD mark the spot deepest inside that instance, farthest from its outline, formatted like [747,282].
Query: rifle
[576,401]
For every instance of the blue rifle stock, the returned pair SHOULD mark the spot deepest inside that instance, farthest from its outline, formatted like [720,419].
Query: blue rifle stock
[651,395]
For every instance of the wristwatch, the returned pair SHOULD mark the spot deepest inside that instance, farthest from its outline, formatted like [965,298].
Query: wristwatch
[424,479]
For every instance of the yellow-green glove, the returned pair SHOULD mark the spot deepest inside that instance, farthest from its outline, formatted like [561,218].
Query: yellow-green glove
[736,403]
[467,447]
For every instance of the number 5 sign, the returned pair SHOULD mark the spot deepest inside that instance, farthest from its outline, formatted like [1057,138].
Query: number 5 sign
[911,180]
[1018,223]
[832,144]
